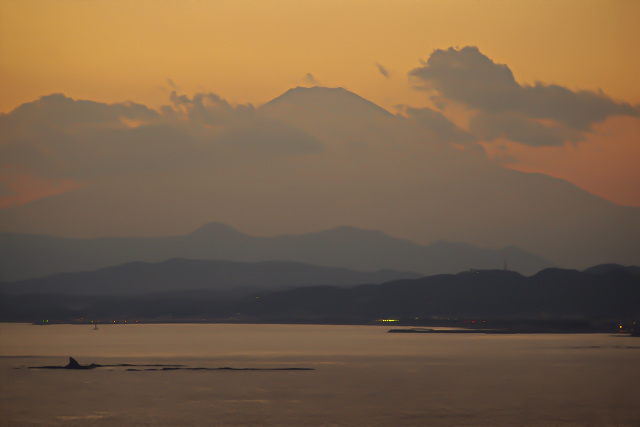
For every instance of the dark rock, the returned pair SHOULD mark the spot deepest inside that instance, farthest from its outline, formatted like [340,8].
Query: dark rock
[73,364]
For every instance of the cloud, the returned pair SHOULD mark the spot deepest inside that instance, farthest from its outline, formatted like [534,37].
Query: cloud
[442,128]
[382,70]
[470,77]
[172,84]
[520,128]
[58,137]
[264,138]
[309,79]
[208,108]
[59,111]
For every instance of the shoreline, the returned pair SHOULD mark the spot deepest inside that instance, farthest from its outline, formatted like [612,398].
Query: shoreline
[497,327]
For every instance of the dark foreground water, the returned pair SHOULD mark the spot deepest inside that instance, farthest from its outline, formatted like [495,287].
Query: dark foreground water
[362,376]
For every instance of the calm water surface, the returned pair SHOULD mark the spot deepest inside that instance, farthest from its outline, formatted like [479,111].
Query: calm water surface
[362,376]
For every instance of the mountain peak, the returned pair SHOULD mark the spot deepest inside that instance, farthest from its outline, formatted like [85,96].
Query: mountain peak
[335,100]
[314,91]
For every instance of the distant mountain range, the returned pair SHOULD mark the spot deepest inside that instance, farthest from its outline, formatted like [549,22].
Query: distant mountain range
[608,294]
[27,256]
[226,277]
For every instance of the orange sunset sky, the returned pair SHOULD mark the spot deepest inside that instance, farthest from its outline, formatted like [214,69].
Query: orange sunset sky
[252,51]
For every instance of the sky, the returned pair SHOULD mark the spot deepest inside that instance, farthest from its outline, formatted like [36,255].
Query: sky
[252,51]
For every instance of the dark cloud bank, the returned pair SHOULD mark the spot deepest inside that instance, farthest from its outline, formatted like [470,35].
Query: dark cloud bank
[508,108]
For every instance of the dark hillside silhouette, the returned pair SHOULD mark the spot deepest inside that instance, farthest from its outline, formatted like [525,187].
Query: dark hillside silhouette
[551,295]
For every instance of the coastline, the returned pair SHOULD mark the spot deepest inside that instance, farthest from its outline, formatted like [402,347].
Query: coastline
[502,326]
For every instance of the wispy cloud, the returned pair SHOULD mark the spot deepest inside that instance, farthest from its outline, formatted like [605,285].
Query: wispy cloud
[309,79]
[382,70]
[173,86]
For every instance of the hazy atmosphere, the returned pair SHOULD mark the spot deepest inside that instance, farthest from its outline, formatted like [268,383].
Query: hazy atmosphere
[458,169]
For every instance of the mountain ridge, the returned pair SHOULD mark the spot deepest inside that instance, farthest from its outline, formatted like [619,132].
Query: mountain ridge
[179,274]
[30,256]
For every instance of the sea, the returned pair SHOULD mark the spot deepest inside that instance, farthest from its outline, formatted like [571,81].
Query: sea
[355,376]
